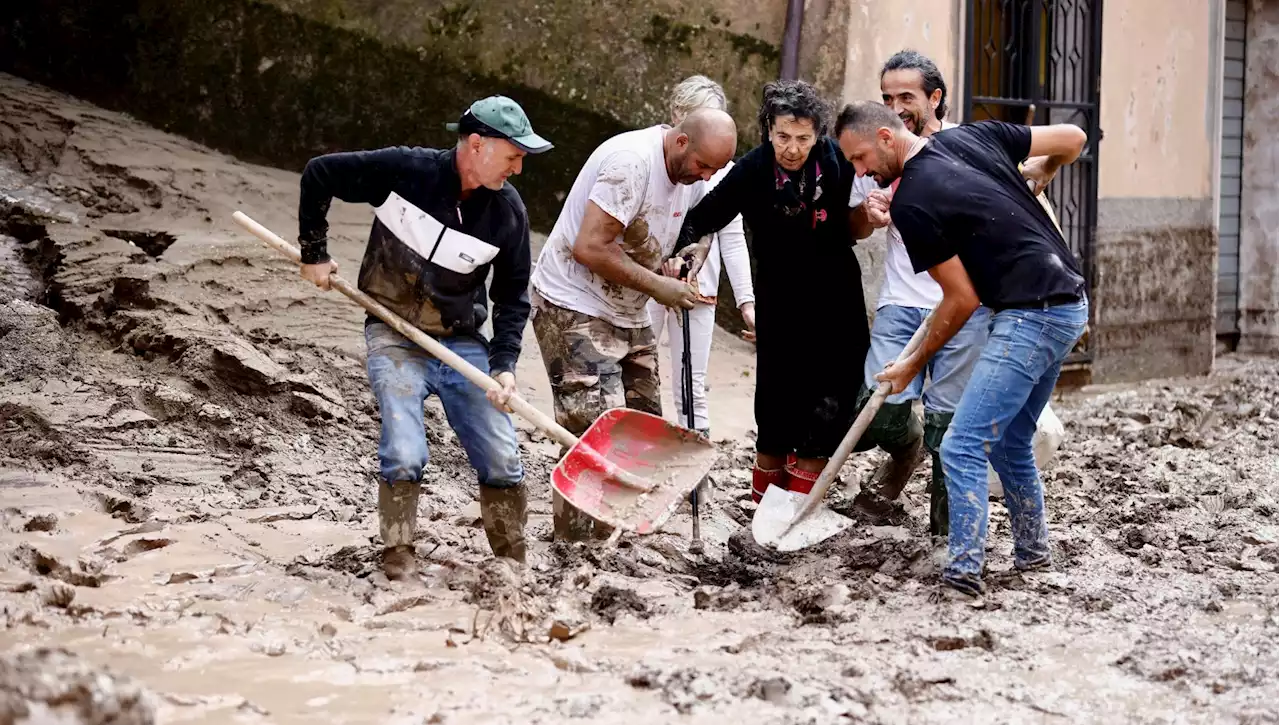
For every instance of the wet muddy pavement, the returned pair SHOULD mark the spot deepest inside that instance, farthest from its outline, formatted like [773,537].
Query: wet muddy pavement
[188,534]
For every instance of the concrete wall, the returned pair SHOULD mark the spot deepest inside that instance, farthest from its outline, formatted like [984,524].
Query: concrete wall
[617,57]
[1155,261]
[1259,215]
[877,30]
[1153,301]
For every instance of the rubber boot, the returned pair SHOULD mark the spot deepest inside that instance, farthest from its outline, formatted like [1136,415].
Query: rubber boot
[903,439]
[505,513]
[763,478]
[397,519]
[935,427]
[567,522]
[801,481]
[898,431]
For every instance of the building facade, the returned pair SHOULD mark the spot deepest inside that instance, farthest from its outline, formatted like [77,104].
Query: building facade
[1172,208]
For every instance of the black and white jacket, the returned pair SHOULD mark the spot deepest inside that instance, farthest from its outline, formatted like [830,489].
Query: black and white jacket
[429,252]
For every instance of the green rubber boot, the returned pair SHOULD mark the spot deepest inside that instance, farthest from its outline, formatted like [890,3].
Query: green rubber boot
[935,427]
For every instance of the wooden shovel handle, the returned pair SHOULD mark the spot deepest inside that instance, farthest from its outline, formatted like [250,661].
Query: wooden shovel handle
[423,340]
[448,357]
[860,425]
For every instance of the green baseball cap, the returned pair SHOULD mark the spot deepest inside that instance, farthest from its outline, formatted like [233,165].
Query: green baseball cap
[501,117]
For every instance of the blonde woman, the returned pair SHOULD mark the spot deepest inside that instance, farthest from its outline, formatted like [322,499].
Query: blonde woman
[728,245]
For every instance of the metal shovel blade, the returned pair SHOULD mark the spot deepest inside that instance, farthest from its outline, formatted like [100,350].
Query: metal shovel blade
[674,460]
[778,507]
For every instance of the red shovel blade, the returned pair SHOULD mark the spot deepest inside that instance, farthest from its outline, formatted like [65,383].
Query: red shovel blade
[671,458]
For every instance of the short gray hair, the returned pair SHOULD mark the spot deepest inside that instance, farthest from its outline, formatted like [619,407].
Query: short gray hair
[695,92]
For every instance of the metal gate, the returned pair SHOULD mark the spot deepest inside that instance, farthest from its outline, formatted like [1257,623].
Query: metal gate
[1232,156]
[1038,62]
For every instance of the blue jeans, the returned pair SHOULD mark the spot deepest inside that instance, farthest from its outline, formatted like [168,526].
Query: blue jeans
[403,375]
[949,369]
[996,420]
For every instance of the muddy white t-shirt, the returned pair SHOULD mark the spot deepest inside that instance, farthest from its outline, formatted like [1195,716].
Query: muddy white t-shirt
[902,286]
[627,178]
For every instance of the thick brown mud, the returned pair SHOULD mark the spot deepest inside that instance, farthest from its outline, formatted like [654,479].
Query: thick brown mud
[187,453]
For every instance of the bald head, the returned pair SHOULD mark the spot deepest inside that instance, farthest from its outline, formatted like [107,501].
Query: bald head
[700,145]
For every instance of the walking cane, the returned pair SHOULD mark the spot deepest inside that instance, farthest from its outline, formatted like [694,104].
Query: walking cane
[686,397]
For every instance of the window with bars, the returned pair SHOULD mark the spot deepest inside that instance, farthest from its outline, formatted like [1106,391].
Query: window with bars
[1037,62]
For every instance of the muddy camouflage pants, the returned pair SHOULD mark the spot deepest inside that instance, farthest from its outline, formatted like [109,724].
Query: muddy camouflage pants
[594,366]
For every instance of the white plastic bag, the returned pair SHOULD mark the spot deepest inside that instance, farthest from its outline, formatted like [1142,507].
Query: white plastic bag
[1049,435]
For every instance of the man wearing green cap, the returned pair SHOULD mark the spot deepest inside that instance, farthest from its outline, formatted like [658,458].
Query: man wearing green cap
[443,218]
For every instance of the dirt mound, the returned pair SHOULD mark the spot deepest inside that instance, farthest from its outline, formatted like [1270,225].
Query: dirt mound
[31,342]
[609,601]
[53,685]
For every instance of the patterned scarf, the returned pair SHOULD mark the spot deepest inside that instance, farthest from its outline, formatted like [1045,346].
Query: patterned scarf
[795,197]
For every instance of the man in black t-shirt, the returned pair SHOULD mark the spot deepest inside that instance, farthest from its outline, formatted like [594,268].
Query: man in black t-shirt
[968,215]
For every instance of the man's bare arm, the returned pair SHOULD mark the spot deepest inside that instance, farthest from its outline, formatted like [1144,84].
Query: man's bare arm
[1061,142]
[596,250]
[959,300]
[1052,147]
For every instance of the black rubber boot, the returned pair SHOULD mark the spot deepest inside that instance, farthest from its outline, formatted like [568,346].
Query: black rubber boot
[935,427]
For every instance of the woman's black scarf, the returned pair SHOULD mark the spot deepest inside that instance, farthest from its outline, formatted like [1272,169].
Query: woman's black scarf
[795,197]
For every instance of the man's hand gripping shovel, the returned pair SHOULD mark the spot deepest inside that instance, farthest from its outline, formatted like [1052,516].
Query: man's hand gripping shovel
[789,521]
[630,469]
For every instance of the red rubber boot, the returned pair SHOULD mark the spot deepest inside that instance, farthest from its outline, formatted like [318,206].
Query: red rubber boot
[801,481]
[762,479]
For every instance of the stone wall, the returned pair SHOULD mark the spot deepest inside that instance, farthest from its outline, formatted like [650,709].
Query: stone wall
[1259,214]
[278,81]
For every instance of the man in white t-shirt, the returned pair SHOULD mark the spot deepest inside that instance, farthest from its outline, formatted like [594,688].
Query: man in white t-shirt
[602,264]
[912,86]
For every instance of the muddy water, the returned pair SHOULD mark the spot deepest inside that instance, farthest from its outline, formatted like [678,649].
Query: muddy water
[187,451]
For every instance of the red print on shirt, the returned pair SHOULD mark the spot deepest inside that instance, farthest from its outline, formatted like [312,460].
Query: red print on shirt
[819,215]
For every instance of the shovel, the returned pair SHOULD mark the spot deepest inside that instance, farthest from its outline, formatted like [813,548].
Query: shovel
[789,521]
[630,469]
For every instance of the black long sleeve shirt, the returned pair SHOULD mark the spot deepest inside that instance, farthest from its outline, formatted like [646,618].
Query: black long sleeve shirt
[438,300]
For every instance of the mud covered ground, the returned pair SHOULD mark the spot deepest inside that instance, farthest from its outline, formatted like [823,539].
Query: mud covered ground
[187,451]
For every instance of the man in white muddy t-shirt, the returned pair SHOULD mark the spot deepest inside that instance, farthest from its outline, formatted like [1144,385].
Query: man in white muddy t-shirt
[911,85]
[602,264]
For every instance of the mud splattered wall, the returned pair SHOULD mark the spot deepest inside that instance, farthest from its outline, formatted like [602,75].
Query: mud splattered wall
[277,81]
[1259,214]
[1153,295]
